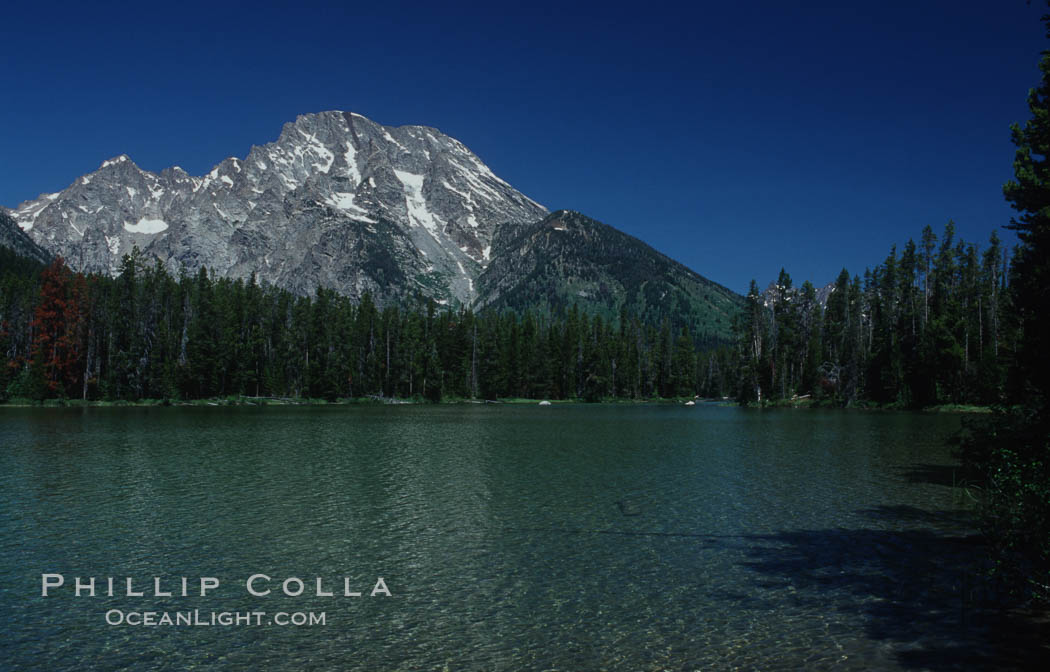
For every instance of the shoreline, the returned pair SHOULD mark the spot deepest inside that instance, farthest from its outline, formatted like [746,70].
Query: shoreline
[962,409]
[872,406]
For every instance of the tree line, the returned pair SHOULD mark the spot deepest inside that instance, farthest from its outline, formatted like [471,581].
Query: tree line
[145,334]
[929,325]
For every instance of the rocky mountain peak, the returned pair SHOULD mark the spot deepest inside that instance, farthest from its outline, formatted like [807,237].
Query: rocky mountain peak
[336,200]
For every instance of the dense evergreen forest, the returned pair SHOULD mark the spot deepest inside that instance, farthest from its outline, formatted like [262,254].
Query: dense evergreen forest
[928,326]
[923,328]
[147,335]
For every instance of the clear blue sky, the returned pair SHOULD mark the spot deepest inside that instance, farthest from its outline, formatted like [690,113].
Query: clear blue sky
[734,137]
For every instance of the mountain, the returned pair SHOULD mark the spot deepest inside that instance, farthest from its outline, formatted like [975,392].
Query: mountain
[343,202]
[569,258]
[337,200]
[769,295]
[15,239]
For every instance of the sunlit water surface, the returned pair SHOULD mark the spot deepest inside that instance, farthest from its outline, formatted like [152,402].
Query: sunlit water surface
[511,537]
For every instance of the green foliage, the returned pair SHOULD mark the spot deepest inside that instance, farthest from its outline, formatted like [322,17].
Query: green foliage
[569,259]
[19,288]
[1008,456]
[147,335]
[1010,452]
[920,329]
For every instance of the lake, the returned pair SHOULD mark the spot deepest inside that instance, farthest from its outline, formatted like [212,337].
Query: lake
[574,537]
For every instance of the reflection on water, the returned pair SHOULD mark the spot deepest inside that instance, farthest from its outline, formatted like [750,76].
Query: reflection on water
[514,538]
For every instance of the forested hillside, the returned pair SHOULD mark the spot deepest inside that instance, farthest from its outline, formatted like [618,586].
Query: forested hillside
[569,258]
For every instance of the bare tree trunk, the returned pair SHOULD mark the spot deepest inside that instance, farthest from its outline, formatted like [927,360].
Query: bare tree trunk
[980,327]
[87,362]
[474,364]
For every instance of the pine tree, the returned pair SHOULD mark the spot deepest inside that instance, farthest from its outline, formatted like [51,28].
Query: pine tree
[752,341]
[1029,194]
[202,340]
[1012,451]
[810,326]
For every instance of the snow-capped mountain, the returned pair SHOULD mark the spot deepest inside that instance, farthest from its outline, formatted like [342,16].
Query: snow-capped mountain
[337,200]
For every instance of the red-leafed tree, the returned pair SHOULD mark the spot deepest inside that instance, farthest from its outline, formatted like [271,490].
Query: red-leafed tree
[58,329]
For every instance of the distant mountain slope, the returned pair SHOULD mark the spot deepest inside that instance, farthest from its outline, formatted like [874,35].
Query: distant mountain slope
[15,239]
[569,258]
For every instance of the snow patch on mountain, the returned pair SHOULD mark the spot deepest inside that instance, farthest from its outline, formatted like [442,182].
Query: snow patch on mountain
[343,200]
[145,225]
[417,205]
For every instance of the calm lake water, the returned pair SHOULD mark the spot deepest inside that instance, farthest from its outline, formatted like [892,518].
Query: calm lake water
[511,537]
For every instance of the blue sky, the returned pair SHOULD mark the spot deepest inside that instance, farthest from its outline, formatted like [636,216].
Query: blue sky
[735,137]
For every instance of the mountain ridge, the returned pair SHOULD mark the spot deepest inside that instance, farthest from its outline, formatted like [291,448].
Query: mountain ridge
[569,258]
[341,202]
[319,190]
[13,238]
